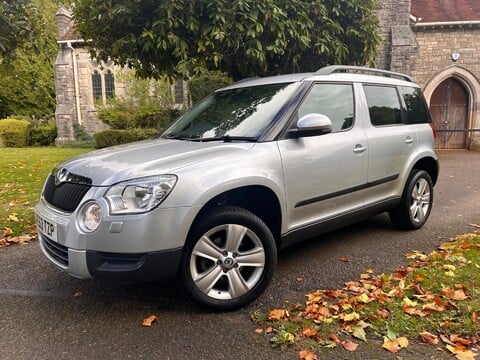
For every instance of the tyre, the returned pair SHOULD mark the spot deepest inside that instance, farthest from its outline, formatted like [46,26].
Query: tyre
[229,258]
[416,202]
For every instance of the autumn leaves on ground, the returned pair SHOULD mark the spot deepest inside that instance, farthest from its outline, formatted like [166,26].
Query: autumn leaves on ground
[22,174]
[435,300]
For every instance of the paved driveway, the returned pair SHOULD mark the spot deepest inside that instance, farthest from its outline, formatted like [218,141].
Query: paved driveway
[40,318]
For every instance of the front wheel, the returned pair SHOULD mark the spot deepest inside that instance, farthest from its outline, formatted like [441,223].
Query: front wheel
[416,202]
[229,258]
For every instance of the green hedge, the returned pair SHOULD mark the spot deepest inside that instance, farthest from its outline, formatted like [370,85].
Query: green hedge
[14,132]
[44,134]
[116,137]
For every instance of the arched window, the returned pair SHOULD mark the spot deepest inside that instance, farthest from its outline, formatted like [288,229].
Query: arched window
[96,85]
[109,85]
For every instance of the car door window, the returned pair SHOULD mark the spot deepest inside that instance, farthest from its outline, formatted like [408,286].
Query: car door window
[332,100]
[383,105]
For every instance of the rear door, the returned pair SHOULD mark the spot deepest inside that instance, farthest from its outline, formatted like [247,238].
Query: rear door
[391,142]
[324,175]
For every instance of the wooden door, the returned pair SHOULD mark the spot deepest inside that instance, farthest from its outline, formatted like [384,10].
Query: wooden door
[449,109]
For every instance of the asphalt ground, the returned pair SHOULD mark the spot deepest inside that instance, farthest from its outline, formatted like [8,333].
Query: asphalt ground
[41,318]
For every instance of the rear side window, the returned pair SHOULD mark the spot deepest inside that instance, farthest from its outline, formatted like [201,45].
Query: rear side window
[383,105]
[416,106]
[332,100]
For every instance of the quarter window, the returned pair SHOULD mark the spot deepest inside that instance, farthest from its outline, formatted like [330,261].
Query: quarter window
[416,107]
[332,100]
[383,105]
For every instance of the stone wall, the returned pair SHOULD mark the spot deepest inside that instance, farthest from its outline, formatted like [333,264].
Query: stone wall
[435,48]
[434,63]
[400,47]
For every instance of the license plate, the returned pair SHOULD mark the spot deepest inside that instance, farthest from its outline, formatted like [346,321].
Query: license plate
[47,227]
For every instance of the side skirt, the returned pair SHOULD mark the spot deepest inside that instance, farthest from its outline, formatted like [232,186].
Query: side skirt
[312,230]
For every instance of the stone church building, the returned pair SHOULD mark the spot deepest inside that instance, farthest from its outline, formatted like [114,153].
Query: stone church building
[435,41]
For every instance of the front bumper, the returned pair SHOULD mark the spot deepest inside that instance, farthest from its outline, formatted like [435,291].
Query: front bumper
[152,266]
[143,247]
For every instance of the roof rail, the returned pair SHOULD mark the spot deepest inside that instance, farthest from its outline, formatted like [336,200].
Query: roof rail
[327,70]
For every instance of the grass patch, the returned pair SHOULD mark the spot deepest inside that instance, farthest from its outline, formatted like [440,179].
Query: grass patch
[22,174]
[435,300]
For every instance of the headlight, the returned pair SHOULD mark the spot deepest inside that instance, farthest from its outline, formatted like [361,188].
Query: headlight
[90,216]
[139,195]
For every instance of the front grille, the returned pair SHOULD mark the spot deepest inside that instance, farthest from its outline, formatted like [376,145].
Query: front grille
[58,252]
[66,196]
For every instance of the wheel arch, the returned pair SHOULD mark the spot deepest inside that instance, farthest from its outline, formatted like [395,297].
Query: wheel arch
[430,165]
[258,199]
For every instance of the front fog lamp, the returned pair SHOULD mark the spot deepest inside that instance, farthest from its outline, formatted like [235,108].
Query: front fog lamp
[90,216]
[139,195]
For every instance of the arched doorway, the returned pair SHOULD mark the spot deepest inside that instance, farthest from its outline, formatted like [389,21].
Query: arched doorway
[449,108]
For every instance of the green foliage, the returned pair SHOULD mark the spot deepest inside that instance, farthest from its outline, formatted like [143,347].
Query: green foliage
[180,38]
[15,24]
[146,104]
[82,139]
[116,137]
[204,84]
[26,73]
[43,134]
[14,132]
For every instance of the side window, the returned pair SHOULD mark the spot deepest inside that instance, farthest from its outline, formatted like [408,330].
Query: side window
[332,100]
[416,106]
[383,105]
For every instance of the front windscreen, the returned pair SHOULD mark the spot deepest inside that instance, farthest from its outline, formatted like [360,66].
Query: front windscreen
[241,112]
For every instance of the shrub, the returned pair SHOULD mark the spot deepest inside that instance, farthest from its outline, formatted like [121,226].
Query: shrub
[116,137]
[14,132]
[204,84]
[44,134]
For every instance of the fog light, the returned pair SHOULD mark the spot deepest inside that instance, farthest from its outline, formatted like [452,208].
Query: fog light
[90,217]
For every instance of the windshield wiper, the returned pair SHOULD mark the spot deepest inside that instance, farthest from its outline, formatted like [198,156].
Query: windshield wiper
[227,138]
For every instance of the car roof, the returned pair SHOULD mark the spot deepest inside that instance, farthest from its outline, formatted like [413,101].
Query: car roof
[324,74]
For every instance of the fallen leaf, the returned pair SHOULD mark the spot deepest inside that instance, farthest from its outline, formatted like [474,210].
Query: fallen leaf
[309,332]
[460,353]
[259,331]
[359,333]
[429,338]
[334,337]
[307,355]
[458,294]
[268,330]
[277,314]
[345,259]
[299,279]
[149,320]
[395,345]
[349,345]
[78,294]
[13,217]
[458,340]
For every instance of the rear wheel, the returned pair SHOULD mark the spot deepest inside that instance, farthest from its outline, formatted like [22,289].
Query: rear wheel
[229,258]
[416,203]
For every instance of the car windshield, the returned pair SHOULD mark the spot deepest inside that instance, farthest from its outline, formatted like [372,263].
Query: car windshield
[241,113]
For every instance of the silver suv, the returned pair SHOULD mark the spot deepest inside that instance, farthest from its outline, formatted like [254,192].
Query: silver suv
[251,169]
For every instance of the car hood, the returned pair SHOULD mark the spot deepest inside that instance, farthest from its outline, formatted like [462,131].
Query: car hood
[151,157]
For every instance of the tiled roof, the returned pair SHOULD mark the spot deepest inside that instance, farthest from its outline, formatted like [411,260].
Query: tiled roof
[446,10]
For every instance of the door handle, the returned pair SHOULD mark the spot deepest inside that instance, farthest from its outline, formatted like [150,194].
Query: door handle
[408,140]
[359,149]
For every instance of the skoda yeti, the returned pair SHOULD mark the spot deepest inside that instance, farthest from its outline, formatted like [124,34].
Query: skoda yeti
[251,169]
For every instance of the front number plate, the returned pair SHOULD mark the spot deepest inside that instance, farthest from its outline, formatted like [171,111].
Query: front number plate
[47,227]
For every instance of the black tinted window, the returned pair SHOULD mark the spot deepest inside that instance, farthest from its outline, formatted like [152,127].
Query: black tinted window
[332,100]
[416,107]
[383,105]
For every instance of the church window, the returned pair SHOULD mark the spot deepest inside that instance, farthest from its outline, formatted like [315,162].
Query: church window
[96,85]
[109,84]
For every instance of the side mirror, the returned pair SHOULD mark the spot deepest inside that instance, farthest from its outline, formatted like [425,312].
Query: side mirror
[311,125]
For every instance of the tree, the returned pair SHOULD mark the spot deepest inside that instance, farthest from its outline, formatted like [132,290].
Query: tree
[241,37]
[26,73]
[14,24]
